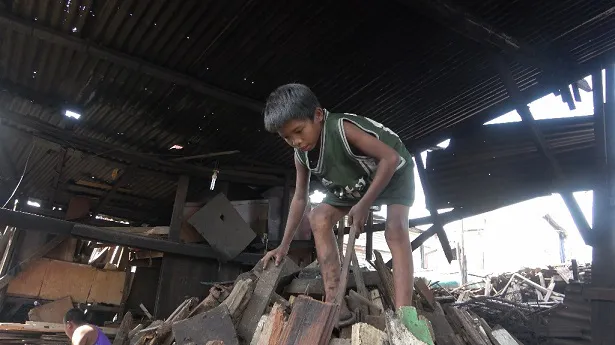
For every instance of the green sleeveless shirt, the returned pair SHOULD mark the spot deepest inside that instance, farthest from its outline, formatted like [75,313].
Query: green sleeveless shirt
[346,175]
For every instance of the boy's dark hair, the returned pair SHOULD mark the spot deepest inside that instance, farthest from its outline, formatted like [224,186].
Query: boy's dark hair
[75,315]
[289,102]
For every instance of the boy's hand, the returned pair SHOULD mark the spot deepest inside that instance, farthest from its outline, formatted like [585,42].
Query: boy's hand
[358,216]
[276,254]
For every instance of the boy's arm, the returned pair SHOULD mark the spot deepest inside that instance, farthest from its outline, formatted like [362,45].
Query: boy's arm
[295,214]
[388,159]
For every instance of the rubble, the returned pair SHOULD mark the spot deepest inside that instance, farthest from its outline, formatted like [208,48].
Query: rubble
[269,307]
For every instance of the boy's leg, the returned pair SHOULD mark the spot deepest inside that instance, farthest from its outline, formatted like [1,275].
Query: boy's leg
[322,218]
[398,239]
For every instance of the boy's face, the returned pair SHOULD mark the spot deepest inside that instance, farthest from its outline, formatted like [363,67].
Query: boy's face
[303,134]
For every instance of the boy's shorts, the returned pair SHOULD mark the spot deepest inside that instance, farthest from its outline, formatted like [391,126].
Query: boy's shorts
[399,191]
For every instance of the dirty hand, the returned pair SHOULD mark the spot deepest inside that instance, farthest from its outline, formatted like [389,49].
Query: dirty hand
[358,217]
[276,254]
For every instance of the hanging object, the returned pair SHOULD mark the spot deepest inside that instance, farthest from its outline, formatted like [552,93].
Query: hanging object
[214,177]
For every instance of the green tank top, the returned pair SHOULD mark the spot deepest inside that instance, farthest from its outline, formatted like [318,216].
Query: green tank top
[343,173]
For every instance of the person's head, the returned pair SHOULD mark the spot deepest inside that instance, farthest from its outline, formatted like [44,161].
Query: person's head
[293,111]
[72,320]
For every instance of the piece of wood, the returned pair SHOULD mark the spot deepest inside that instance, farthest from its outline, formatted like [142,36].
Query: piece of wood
[275,298]
[442,330]
[215,342]
[239,297]
[386,280]
[108,287]
[215,324]
[549,290]
[122,332]
[146,312]
[314,286]
[163,333]
[274,327]
[470,331]
[51,312]
[488,286]
[503,337]
[340,239]
[397,332]
[565,273]
[259,333]
[310,323]
[425,292]
[541,278]
[265,287]
[217,295]
[376,321]
[364,334]
[45,327]
[135,330]
[366,302]
[376,298]
[339,341]
[52,279]
[489,331]
[223,228]
[361,288]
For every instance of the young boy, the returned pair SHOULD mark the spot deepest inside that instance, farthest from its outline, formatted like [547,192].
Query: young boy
[360,163]
[80,332]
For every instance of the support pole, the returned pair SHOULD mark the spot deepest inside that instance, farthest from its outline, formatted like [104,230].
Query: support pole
[603,274]
[369,236]
[541,144]
[437,222]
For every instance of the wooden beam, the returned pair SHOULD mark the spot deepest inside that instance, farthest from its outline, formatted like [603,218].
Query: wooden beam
[122,180]
[34,222]
[62,137]
[32,29]
[543,147]
[437,223]
[178,208]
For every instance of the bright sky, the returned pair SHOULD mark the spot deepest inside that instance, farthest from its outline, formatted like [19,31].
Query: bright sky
[520,228]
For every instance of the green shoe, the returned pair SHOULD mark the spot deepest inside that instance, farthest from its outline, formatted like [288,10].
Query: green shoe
[417,327]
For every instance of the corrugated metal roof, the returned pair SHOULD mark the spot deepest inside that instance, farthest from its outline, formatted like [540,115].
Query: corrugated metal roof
[382,60]
[499,165]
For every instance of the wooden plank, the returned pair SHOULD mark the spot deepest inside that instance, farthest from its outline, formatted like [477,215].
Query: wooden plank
[274,327]
[550,290]
[239,297]
[443,332]
[503,337]
[386,279]
[51,280]
[309,323]
[364,334]
[397,332]
[315,286]
[215,324]
[178,208]
[265,287]
[361,288]
[223,228]
[51,312]
[108,287]
[425,292]
[124,329]
[45,327]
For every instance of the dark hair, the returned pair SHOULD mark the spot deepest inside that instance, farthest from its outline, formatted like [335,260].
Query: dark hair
[75,315]
[289,102]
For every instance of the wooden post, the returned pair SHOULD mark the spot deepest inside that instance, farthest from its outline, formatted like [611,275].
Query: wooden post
[369,236]
[603,275]
[166,270]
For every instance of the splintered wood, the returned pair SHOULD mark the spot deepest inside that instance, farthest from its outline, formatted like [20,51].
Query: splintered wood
[309,323]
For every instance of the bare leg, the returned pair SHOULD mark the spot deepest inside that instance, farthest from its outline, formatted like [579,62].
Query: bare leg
[398,239]
[322,218]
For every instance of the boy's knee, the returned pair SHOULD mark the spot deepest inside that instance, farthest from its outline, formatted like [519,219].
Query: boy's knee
[396,233]
[320,220]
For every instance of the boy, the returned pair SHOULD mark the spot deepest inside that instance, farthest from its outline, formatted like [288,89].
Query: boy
[360,162]
[80,332]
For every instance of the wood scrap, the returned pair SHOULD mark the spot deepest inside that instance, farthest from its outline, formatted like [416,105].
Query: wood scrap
[265,287]
[215,324]
[146,312]
[122,332]
[364,334]
[239,297]
[386,279]
[366,302]
[51,312]
[503,337]
[309,323]
[361,288]
[217,294]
